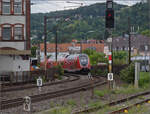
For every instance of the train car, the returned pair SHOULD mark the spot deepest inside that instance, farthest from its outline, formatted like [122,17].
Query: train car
[71,63]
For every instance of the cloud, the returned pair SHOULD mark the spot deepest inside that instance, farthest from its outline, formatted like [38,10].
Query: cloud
[44,6]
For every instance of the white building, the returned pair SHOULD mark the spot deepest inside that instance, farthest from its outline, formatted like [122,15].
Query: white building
[14,35]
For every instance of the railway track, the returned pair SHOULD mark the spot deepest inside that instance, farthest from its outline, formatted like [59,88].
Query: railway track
[36,98]
[129,107]
[87,110]
[9,89]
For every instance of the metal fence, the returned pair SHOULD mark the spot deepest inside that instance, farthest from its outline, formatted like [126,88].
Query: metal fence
[27,76]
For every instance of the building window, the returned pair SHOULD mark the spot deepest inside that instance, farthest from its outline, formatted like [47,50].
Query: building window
[18,6]
[6,7]
[123,48]
[18,33]
[6,33]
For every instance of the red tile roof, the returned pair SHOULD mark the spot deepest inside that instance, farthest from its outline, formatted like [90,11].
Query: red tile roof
[65,47]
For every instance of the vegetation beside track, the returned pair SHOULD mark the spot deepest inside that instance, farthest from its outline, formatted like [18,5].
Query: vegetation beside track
[144,80]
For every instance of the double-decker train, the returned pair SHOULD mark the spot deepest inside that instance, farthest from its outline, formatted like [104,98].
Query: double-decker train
[71,63]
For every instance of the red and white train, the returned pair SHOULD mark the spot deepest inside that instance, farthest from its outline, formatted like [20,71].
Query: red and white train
[71,63]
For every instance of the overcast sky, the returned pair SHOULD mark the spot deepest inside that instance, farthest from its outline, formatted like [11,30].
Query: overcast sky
[43,6]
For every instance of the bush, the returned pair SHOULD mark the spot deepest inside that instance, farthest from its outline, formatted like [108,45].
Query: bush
[120,57]
[96,71]
[95,57]
[60,71]
[144,80]
[128,74]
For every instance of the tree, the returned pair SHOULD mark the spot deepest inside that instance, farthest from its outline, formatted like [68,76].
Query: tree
[95,57]
[146,33]
[33,51]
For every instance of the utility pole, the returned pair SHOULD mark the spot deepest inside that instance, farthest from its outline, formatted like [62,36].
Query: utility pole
[129,30]
[45,36]
[45,44]
[56,44]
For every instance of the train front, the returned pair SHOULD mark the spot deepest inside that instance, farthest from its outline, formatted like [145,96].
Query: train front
[84,63]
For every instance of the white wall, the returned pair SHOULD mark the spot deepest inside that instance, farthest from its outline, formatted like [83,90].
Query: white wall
[24,65]
[12,19]
[10,63]
[6,63]
[16,45]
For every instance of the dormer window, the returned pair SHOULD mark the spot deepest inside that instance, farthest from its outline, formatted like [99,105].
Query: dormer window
[18,6]
[6,7]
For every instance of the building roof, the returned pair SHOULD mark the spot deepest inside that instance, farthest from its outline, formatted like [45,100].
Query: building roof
[137,41]
[65,46]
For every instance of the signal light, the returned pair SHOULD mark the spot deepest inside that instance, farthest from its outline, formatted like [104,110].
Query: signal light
[109,18]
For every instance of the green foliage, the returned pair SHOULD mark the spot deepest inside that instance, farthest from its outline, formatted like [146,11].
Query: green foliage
[71,102]
[95,57]
[91,18]
[128,74]
[130,89]
[101,93]
[146,33]
[52,104]
[96,71]
[120,57]
[59,110]
[95,104]
[144,80]
[60,72]
[33,51]
[60,69]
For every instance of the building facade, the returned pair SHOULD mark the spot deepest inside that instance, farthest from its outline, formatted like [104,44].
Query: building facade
[140,45]
[14,35]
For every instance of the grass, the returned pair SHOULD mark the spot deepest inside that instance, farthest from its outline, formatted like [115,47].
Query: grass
[71,102]
[126,90]
[59,110]
[95,104]
[138,110]
[144,80]
[101,93]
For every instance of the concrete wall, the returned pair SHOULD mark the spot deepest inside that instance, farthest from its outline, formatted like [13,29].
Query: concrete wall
[12,63]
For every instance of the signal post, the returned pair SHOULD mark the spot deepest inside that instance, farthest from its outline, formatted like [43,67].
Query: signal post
[109,25]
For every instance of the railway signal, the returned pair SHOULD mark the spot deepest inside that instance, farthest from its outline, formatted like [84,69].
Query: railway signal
[27,104]
[39,83]
[109,16]
[110,76]
[90,76]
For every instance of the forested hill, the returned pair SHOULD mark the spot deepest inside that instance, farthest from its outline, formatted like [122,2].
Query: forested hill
[90,18]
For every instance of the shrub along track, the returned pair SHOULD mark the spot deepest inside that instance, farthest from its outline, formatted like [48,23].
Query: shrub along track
[36,98]
[22,87]
[87,110]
